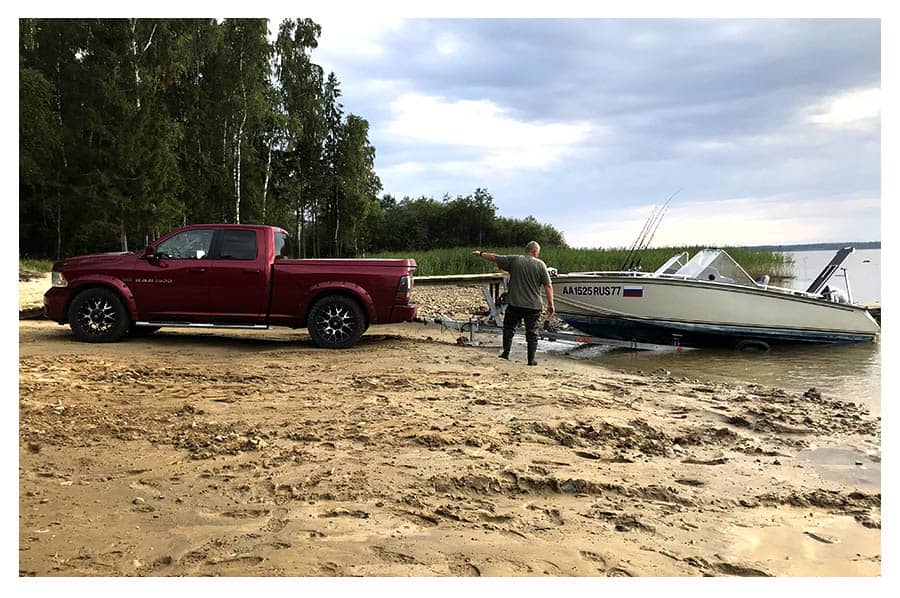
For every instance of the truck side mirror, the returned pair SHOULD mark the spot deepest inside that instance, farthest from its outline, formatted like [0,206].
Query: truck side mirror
[150,254]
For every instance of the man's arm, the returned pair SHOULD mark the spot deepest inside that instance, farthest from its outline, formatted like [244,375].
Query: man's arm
[550,308]
[488,256]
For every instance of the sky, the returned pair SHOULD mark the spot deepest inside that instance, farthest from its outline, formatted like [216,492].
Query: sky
[767,129]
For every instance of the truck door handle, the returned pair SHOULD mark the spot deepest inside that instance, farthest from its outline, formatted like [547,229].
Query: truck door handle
[252,271]
[196,269]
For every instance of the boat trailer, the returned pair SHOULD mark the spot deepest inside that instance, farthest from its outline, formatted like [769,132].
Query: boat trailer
[492,323]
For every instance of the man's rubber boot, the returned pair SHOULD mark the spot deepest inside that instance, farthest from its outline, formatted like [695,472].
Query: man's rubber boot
[532,349]
[507,344]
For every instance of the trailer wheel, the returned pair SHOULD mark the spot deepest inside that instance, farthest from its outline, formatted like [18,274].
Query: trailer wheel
[336,322]
[98,316]
[752,346]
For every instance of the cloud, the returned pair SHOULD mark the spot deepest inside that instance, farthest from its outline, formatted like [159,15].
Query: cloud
[735,221]
[487,132]
[577,121]
[447,44]
[346,40]
[848,108]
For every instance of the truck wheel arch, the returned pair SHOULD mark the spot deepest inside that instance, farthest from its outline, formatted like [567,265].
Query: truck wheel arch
[113,284]
[348,289]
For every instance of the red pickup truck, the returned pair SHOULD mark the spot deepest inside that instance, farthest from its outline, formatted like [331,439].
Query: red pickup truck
[228,276]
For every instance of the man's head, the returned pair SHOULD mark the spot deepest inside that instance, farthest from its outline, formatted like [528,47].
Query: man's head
[533,248]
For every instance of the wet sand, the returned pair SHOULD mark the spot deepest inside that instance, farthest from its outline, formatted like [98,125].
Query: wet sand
[253,453]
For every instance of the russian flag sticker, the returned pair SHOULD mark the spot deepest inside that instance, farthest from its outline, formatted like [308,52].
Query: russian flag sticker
[633,291]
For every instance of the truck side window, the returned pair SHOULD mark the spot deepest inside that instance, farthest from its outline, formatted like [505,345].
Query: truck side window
[282,246]
[189,245]
[238,245]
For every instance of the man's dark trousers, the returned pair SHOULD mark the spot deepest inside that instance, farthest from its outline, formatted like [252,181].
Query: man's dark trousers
[511,319]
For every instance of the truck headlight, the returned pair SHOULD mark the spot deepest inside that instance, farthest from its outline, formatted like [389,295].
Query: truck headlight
[58,280]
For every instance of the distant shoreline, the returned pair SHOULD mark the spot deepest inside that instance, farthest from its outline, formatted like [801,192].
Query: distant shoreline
[816,246]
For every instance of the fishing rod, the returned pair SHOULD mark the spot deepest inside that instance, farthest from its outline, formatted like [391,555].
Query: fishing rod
[662,213]
[639,237]
[640,247]
[653,228]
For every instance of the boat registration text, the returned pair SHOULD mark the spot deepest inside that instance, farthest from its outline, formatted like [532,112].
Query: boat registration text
[604,290]
[592,290]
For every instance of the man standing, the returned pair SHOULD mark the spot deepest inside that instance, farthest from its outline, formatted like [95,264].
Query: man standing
[527,274]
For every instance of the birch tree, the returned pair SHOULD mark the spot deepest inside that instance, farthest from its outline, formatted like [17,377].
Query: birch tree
[248,53]
[334,113]
[299,84]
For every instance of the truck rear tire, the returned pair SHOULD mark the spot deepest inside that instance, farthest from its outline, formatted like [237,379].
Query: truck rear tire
[98,316]
[336,322]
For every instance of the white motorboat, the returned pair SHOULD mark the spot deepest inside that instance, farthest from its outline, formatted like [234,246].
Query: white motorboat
[709,300]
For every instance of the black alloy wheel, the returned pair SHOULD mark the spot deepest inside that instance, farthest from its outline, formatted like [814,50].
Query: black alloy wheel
[98,316]
[336,322]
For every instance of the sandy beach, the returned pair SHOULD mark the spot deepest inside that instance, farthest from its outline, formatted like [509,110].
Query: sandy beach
[253,453]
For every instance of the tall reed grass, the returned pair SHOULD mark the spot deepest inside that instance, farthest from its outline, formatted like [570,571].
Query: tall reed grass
[38,266]
[440,262]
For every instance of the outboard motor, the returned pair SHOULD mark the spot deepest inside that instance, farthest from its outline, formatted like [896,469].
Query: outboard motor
[763,280]
[835,295]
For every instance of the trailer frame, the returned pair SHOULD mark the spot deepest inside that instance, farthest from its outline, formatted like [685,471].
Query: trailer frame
[492,322]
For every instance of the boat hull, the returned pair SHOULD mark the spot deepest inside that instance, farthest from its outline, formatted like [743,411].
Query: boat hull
[698,314]
[685,334]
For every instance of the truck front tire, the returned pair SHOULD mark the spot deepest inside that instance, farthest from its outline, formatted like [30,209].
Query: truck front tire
[98,316]
[336,322]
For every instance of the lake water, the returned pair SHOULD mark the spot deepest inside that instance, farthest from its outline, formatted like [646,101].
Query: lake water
[845,372]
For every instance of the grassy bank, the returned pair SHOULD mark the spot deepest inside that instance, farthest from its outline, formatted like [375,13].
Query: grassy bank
[439,262]
[460,260]
[36,266]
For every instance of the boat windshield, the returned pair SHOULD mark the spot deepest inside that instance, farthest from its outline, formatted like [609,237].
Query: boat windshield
[674,264]
[715,265]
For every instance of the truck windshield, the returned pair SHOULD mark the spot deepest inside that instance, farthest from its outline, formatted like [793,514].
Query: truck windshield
[189,245]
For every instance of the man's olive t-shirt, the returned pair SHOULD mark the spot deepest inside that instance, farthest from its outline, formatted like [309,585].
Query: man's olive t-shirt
[527,278]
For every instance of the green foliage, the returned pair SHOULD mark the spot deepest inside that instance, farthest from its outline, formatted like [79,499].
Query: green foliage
[38,129]
[299,167]
[440,262]
[129,128]
[424,223]
[112,171]
[37,266]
